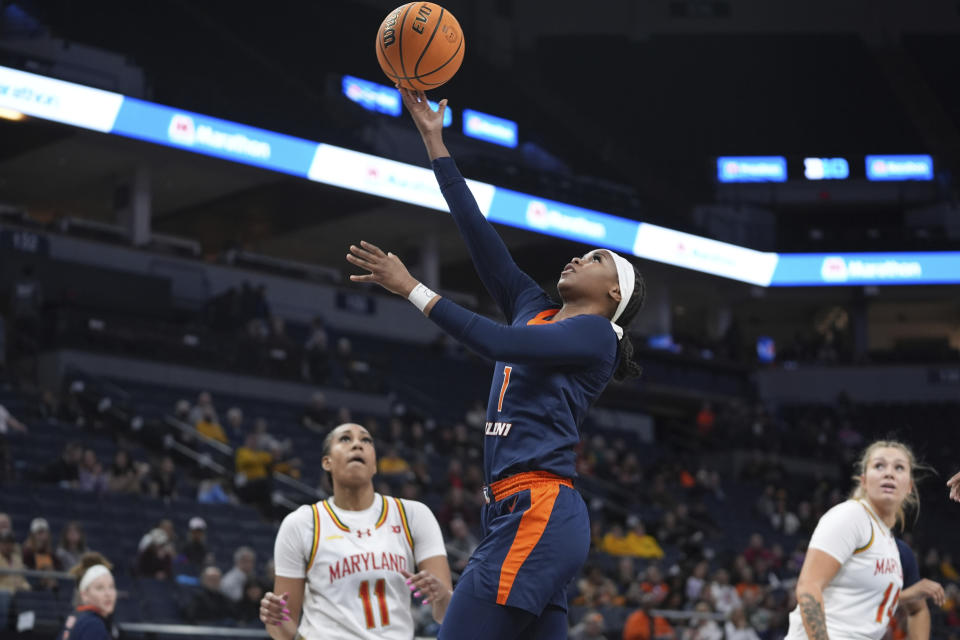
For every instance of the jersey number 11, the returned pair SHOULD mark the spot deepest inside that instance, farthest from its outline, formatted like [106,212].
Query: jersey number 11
[380,590]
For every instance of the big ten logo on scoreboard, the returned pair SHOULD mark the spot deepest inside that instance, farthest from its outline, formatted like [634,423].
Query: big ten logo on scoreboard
[826,168]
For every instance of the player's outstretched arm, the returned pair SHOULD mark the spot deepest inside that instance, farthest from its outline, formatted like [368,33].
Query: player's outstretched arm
[954,485]
[497,270]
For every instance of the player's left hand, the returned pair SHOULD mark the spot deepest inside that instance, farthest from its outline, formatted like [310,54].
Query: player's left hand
[385,269]
[426,586]
[954,484]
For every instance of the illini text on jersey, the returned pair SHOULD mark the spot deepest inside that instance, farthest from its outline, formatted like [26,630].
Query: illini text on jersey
[498,429]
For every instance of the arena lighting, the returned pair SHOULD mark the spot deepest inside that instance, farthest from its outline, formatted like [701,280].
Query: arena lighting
[751,169]
[895,168]
[108,112]
[11,114]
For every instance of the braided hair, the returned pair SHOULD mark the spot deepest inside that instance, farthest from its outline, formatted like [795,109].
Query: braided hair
[627,367]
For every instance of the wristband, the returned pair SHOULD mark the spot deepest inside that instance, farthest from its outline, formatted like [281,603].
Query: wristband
[421,296]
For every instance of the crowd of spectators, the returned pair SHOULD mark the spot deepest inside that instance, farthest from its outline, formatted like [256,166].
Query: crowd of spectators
[658,543]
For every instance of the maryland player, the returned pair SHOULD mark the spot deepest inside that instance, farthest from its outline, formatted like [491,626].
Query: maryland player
[552,364]
[348,564]
[850,582]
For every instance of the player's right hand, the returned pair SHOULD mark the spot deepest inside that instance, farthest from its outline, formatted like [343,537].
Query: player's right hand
[428,121]
[954,484]
[273,609]
[925,589]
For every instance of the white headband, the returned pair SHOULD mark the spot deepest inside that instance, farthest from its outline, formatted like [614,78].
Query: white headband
[627,280]
[91,574]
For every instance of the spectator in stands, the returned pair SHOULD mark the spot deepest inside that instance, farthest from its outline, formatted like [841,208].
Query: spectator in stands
[253,469]
[209,427]
[706,419]
[756,549]
[248,609]
[643,625]
[182,410]
[458,505]
[203,409]
[73,544]
[702,628]
[65,471]
[589,628]
[162,483]
[91,474]
[209,604]
[195,548]
[696,581]
[10,558]
[267,441]
[391,464]
[722,594]
[783,519]
[737,628]
[38,552]
[124,475]
[7,422]
[638,542]
[316,358]
[244,567]
[234,427]
[317,416]
[211,491]
[155,558]
[6,524]
[460,545]
[596,589]
[653,586]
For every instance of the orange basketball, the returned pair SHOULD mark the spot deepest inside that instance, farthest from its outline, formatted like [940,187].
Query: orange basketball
[420,45]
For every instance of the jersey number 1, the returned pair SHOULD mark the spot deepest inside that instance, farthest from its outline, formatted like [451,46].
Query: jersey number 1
[380,590]
[893,603]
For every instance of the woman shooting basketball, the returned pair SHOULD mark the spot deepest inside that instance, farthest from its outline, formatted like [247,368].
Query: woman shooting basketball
[850,582]
[347,563]
[552,364]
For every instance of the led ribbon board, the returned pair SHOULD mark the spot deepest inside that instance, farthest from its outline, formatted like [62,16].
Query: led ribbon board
[109,112]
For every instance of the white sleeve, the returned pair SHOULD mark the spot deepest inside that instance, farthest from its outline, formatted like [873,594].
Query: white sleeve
[293,544]
[427,537]
[842,530]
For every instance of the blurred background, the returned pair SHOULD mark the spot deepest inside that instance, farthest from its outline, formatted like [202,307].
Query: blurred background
[179,183]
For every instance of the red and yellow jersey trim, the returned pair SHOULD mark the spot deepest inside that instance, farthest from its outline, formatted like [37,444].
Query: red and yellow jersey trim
[872,530]
[384,510]
[333,516]
[316,535]
[404,522]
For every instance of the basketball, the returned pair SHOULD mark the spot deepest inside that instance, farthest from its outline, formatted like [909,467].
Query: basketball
[420,45]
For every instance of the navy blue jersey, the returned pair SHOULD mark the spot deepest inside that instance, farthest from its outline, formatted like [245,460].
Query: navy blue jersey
[911,571]
[86,623]
[547,374]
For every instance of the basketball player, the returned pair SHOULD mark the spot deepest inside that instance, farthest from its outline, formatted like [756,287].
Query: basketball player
[348,563]
[552,364]
[97,597]
[851,578]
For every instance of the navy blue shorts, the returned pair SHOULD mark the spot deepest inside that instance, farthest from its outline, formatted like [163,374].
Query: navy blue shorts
[536,536]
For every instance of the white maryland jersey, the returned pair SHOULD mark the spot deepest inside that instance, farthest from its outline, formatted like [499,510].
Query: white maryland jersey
[352,561]
[863,596]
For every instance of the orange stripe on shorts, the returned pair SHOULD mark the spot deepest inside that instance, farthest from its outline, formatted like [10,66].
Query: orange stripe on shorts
[532,524]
